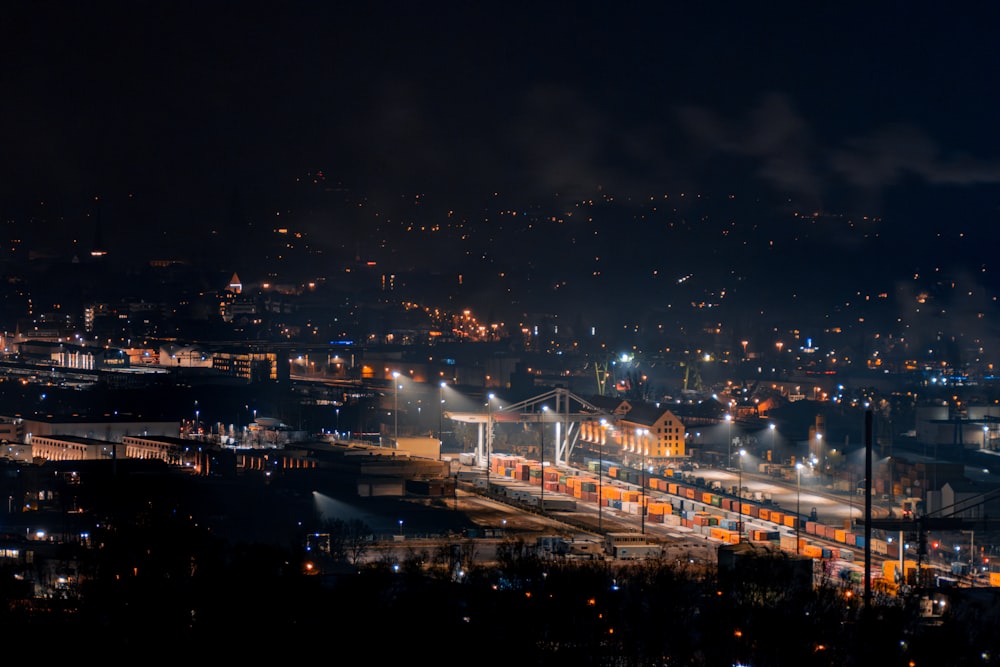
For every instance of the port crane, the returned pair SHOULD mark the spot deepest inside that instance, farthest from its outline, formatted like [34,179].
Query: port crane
[564,409]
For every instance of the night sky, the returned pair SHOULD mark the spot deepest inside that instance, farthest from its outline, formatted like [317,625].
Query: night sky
[168,112]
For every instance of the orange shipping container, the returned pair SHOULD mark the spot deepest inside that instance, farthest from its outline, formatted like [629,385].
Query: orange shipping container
[611,493]
[723,534]
[811,550]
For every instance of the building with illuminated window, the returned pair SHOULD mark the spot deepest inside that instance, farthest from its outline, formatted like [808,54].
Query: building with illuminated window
[252,365]
[652,434]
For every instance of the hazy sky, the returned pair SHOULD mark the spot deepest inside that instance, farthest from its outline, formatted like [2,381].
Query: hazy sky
[172,105]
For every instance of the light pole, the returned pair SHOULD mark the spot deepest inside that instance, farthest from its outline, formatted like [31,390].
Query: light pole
[729,437]
[640,432]
[440,410]
[541,454]
[395,407]
[739,524]
[798,504]
[772,429]
[489,437]
[600,470]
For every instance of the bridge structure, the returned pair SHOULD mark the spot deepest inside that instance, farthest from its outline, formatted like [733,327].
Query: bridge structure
[560,407]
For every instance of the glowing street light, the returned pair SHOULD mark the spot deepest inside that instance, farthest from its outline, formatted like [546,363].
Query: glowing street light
[441,408]
[772,429]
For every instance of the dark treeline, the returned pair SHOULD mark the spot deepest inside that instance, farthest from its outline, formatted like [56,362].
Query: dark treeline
[161,585]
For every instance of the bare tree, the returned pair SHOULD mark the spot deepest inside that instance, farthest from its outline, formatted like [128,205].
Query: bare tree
[349,540]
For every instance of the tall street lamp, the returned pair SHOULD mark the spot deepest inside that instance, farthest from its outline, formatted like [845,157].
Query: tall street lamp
[489,437]
[541,453]
[600,470]
[798,499]
[640,433]
[440,410]
[772,429]
[729,437]
[739,524]
[395,407]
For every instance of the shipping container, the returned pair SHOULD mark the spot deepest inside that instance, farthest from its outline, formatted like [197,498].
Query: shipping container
[811,550]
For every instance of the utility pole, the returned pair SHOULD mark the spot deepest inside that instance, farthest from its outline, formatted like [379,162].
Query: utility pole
[868,509]
[541,455]
[600,472]
[489,438]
